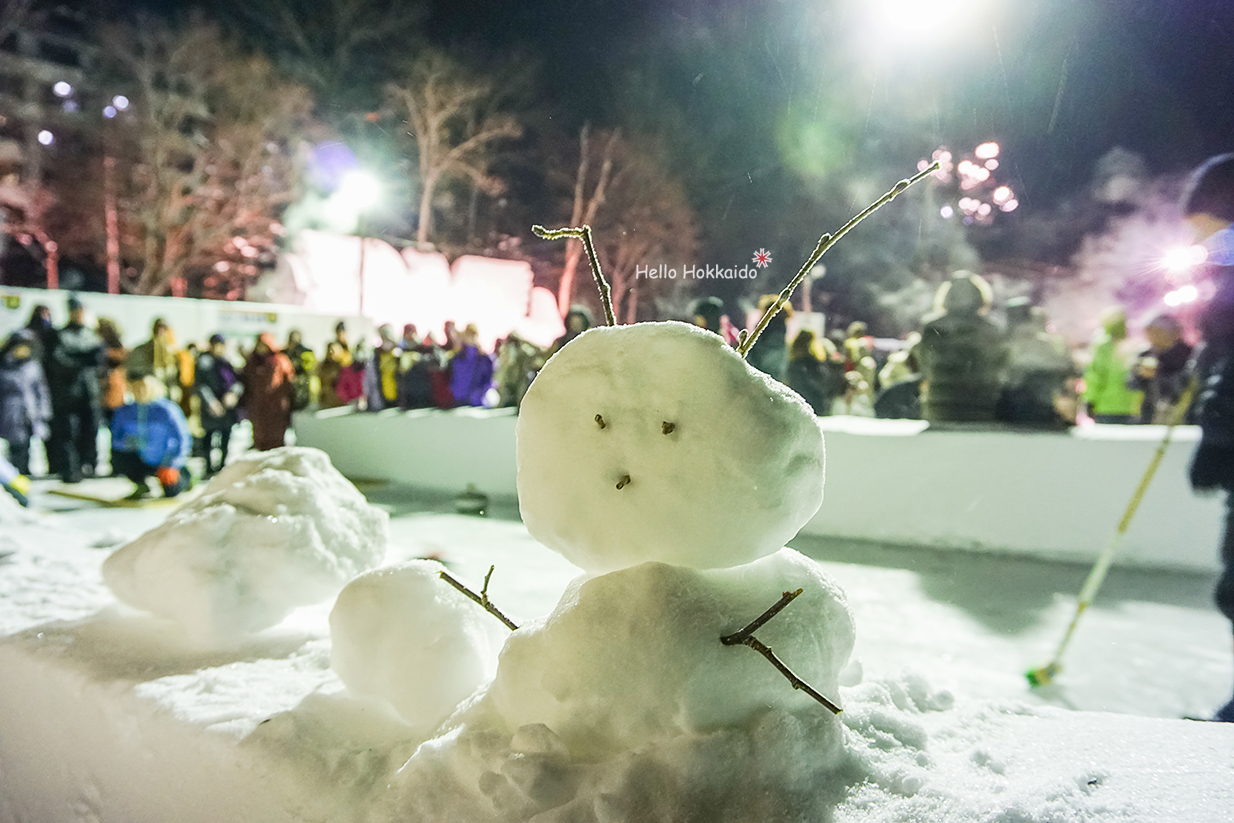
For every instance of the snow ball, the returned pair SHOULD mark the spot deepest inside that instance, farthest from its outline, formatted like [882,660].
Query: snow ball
[659,442]
[635,655]
[272,531]
[403,634]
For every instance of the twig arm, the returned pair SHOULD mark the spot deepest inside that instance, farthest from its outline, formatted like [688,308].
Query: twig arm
[482,598]
[740,637]
[584,233]
[746,637]
[824,243]
[797,682]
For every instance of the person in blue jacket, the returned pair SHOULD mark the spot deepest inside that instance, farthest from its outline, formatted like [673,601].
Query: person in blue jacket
[150,438]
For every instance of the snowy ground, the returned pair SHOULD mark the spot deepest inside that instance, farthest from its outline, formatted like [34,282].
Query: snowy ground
[1152,645]
[108,717]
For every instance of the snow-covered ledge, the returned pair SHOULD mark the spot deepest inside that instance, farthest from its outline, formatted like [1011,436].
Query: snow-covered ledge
[1044,494]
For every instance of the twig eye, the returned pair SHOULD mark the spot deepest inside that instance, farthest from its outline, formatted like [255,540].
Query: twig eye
[600,420]
[623,482]
[667,427]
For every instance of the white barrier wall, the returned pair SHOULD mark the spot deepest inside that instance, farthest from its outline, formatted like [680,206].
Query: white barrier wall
[1057,495]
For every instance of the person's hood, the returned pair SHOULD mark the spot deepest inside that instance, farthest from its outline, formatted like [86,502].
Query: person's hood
[1220,246]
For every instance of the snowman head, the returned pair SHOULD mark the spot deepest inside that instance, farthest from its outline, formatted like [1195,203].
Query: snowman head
[659,442]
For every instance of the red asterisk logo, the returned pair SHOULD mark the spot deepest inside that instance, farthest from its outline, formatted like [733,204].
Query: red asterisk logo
[762,258]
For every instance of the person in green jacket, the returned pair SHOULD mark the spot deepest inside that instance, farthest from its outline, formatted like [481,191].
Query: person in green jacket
[1106,390]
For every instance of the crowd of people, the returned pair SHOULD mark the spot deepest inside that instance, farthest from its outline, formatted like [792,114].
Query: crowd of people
[163,403]
[963,366]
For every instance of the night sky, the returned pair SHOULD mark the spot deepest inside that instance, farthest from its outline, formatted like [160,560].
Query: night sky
[776,112]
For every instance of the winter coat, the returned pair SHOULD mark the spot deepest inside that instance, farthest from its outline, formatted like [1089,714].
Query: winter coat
[900,401]
[1106,379]
[216,378]
[25,405]
[74,366]
[1214,362]
[1162,390]
[156,431]
[1038,368]
[471,376]
[962,356]
[819,383]
[769,354]
[269,382]
[328,372]
[381,378]
[350,383]
[115,377]
[154,357]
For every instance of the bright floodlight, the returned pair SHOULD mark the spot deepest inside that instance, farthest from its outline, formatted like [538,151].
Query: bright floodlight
[1183,258]
[916,20]
[359,190]
[46,137]
[62,89]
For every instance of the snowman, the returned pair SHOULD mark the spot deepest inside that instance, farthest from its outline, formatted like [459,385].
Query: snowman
[672,473]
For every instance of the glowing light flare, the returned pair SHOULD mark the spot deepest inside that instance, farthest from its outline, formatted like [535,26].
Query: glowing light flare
[46,137]
[947,212]
[1010,205]
[987,151]
[1002,194]
[62,89]
[991,164]
[120,102]
[1183,259]
[109,112]
[984,210]
[1181,296]
[917,23]
[359,190]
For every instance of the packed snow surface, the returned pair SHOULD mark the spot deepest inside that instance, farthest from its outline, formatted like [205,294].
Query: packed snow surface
[272,531]
[403,634]
[111,715]
[659,442]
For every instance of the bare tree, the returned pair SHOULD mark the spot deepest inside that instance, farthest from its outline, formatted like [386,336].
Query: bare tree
[331,45]
[646,221]
[210,140]
[444,110]
[640,216]
[584,207]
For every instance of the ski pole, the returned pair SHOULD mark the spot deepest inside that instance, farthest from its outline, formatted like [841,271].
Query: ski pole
[1044,674]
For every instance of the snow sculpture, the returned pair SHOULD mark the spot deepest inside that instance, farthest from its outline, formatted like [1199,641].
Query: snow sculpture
[403,634]
[672,472]
[659,442]
[272,531]
[634,656]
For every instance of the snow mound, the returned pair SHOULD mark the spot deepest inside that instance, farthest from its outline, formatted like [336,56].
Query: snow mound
[696,458]
[624,705]
[633,656]
[403,634]
[272,531]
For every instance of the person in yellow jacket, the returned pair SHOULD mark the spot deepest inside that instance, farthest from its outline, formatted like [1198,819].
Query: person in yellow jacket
[1106,389]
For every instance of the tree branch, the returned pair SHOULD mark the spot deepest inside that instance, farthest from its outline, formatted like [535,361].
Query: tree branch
[746,637]
[482,597]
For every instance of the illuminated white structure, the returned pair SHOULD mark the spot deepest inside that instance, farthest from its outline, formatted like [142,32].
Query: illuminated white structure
[322,273]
